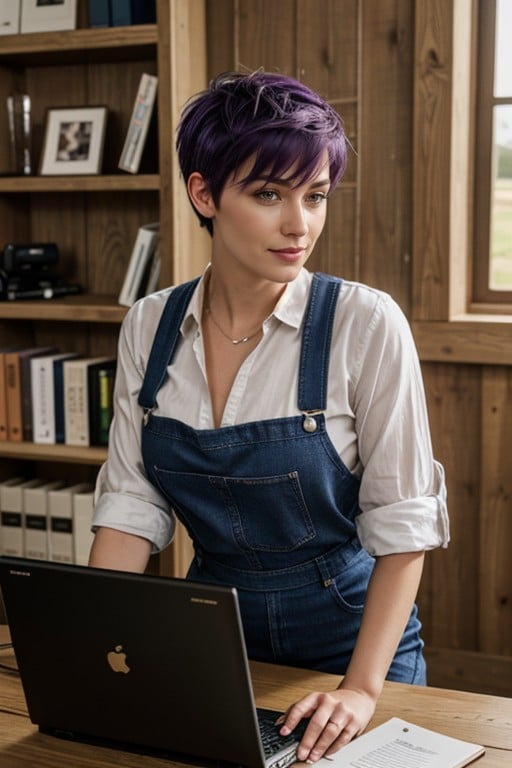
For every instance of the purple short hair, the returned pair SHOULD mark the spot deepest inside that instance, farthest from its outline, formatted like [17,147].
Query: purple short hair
[276,119]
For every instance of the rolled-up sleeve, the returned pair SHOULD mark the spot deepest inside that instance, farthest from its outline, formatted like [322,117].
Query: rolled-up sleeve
[124,497]
[403,492]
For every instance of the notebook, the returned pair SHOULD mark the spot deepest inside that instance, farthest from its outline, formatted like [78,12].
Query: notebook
[138,662]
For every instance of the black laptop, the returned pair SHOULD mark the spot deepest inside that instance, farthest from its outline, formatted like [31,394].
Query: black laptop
[145,663]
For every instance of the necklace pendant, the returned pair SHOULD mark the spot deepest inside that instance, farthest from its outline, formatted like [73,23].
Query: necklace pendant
[240,341]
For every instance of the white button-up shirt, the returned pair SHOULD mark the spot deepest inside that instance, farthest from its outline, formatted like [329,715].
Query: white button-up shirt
[376,414]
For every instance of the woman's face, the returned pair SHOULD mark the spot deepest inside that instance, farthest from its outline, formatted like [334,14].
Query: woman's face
[268,229]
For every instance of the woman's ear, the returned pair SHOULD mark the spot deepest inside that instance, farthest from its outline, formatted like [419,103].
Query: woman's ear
[200,195]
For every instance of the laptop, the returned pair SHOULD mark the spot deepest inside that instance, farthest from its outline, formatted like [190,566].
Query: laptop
[137,662]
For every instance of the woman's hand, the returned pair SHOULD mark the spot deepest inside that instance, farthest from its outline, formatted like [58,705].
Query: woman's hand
[335,718]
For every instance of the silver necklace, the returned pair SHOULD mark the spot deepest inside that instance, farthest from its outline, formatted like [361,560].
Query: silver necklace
[243,340]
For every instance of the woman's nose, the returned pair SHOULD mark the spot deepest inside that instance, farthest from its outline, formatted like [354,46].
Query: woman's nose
[294,220]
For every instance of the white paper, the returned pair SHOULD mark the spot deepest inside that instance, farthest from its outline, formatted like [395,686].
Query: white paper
[400,744]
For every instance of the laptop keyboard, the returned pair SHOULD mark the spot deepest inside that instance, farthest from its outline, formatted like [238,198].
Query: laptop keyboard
[271,738]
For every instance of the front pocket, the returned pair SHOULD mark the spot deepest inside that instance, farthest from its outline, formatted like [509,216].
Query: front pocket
[265,514]
[349,587]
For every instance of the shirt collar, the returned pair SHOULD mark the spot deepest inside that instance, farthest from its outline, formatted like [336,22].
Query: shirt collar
[289,309]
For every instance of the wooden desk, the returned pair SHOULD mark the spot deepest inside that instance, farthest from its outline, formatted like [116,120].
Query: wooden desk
[483,719]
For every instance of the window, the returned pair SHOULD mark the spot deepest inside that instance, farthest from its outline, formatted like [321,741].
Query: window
[492,262]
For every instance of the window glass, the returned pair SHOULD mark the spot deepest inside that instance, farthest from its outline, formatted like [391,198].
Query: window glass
[500,262]
[503,61]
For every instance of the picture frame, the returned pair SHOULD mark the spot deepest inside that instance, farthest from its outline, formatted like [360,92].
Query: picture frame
[47,15]
[73,141]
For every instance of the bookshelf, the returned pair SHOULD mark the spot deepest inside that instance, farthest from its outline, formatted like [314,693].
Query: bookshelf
[95,219]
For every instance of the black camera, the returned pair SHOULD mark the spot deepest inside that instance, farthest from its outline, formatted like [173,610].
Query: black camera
[26,273]
[33,257]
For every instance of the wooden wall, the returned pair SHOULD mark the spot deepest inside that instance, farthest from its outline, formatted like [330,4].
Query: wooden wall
[387,67]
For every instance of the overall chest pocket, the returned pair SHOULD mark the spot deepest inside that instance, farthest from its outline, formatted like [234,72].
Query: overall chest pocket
[266,514]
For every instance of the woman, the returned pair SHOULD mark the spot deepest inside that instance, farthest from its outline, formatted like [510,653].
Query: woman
[280,415]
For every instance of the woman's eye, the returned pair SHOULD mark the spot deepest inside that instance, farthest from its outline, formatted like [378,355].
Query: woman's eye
[267,195]
[317,197]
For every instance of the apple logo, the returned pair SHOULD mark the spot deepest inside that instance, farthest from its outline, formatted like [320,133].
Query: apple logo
[117,660]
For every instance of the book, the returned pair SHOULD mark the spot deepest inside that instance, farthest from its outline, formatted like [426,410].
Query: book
[139,124]
[42,386]
[3,394]
[101,401]
[18,391]
[99,13]
[143,11]
[151,277]
[12,510]
[36,529]
[58,398]
[10,17]
[10,481]
[76,398]
[60,510]
[399,743]
[120,13]
[142,252]
[83,508]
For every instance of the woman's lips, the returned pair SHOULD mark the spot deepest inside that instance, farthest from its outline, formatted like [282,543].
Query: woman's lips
[290,255]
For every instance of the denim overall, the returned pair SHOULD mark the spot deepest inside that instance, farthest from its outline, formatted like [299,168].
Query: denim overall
[270,508]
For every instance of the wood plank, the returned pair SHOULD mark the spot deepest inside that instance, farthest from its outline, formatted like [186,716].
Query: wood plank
[327,47]
[474,341]
[431,159]
[495,588]
[65,453]
[447,598]
[76,309]
[385,148]
[469,671]
[109,183]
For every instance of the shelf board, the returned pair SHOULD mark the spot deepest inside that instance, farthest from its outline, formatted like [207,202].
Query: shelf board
[71,454]
[111,43]
[79,309]
[114,183]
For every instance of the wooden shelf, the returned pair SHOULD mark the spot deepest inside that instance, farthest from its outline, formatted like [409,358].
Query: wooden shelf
[110,42]
[78,309]
[113,183]
[71,454]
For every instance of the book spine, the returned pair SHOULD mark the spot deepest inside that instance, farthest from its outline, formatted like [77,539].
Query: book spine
[3,399]
[143,11]
[101,383]
[121,12]
[60,510]
[139,124]
[143,249]
[12,511]
[58,401]
[99,13]
[13,397]
[26,398]
[35,524]
[43,412]
[83,506]
[76,413]
[106,409]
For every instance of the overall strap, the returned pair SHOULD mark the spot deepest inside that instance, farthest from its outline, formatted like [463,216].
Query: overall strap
[316,342]
[165,342]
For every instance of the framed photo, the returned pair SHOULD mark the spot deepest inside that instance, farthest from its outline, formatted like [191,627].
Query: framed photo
[47,15]
[73,141]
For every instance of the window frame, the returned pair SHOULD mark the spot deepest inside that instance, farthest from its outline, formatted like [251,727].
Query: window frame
[483,297]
